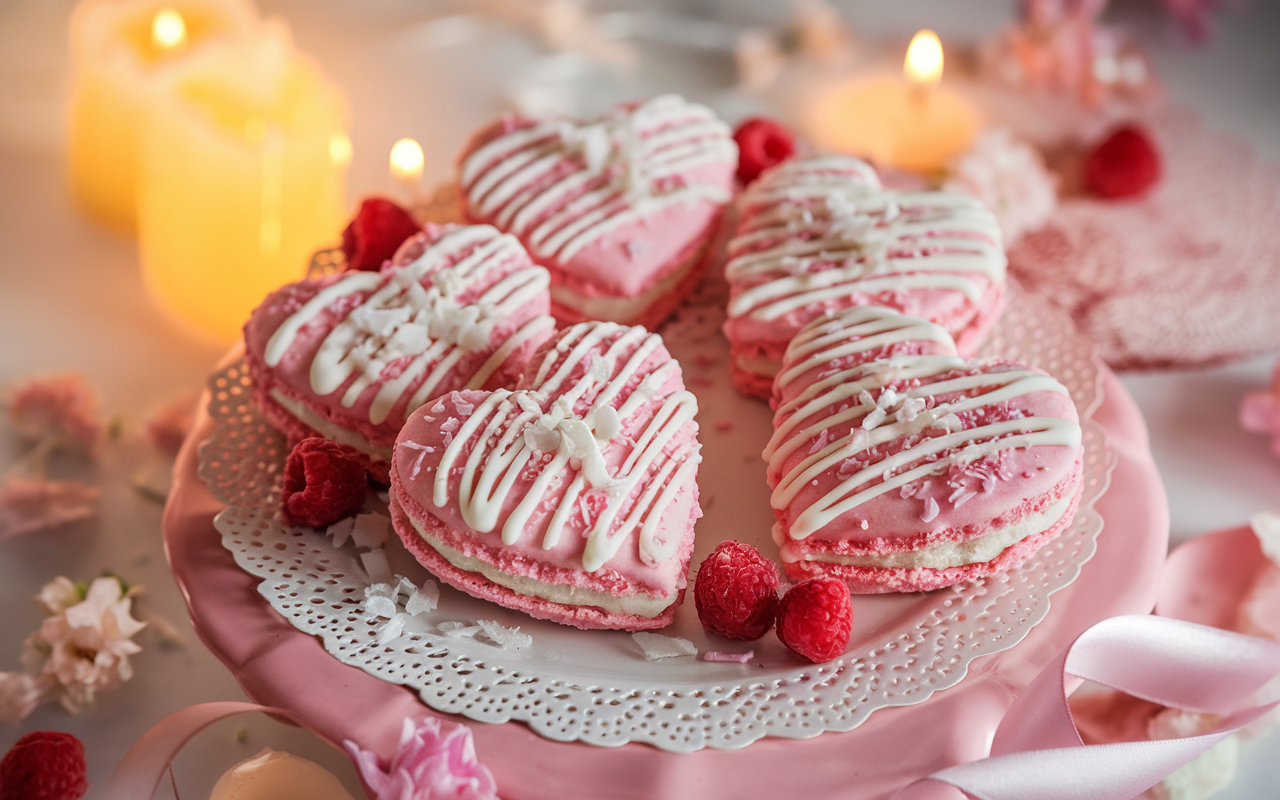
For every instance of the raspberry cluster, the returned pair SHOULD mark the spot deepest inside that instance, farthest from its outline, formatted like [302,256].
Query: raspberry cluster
[378,230]
[762,143]
[44,765]
[1125,164]
[323,483]
[736,594]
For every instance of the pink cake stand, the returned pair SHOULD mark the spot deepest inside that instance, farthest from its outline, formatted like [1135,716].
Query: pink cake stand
[278,665]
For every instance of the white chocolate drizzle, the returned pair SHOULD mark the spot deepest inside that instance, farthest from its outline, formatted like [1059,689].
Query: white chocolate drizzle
[511,431]
[821,228]
[412,326]
[561,185]
[842,398]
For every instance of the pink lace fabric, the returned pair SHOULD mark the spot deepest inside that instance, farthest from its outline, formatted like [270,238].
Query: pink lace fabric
[1187,275]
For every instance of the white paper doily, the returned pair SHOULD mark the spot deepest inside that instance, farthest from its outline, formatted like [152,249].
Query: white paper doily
[596,686]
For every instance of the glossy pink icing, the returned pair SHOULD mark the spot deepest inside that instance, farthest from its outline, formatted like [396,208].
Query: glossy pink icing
[793,191]
[425,440]
[281,666]
[963,502]
[291,376]
[644,238]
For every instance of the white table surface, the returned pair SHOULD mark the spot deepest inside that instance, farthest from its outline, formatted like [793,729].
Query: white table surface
[71,299]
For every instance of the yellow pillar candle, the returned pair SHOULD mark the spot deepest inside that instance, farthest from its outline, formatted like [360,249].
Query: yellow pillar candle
[909,122]
[241,179]
[122,50]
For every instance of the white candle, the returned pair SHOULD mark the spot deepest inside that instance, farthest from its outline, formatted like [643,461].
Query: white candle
[241,179]
[122,50]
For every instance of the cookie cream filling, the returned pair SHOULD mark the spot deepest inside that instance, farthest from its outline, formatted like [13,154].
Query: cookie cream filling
[623,308]
[948,554]
[329,430]
[764,367]
[638,605]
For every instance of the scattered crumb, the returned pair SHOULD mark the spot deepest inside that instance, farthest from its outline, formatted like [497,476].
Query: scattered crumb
[657,646]
[376,565]
[728,658]
[504,637]
[242,734]
[370,530]
[341,531]
[424,600]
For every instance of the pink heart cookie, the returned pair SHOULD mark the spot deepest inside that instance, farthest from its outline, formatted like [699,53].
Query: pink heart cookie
[349,357]
[619,210]
[572,498]
[820,234]
[898,466]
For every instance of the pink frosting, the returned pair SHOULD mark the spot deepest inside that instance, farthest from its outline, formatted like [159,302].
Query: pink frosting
[963,503]
[291,376]
[627,260]
[427,434]
[758,339]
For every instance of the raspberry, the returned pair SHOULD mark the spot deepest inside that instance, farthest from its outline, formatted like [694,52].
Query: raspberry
[44,765]
[1125,164]
[762,143]
[323,483]
[736,591]
[377,231]
[815,618]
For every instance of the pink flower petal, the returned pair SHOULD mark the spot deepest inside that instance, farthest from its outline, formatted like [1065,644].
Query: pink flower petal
[27,505]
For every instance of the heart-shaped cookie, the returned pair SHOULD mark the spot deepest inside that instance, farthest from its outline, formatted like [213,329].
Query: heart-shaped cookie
[820,234]
[348,357]
[898,466]
[572,498]
[619,210]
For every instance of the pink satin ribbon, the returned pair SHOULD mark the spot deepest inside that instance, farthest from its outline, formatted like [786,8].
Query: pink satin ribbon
[139,773]
[1037,753]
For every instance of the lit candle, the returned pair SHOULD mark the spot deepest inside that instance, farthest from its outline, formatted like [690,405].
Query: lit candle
[273,775]
[407,162]
[122,52]
[241,179]
[909,122]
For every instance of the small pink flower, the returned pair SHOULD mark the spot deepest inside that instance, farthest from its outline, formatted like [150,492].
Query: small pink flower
[28,505]
[19,696]
[1260,412]
[59,410]
[84,646]
[428,765]
[169,425]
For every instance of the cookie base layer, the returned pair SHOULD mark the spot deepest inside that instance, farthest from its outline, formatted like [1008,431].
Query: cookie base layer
[882,580]
[477,585]
[295,430]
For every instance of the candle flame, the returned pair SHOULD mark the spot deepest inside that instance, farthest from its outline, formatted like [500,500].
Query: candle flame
[407,161]
[168,30]
[924,59]
[340,150]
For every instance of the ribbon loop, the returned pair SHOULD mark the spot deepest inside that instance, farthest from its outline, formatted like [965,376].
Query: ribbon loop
[1037,753]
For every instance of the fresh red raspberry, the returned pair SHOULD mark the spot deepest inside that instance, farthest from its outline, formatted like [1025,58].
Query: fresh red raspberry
[736,591]
[44,765]
[379,228]
[323,483]
[762,143]
[1125,164]
[815,618]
